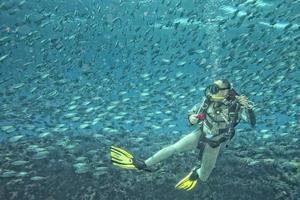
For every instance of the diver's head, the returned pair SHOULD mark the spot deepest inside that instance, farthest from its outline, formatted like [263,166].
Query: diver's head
[219,90]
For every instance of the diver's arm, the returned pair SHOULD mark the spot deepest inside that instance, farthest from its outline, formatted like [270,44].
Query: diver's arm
[249,116]
[194,109]
[191,112]
[247,110]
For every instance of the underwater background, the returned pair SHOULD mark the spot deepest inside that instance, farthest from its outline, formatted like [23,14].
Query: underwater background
[79,76]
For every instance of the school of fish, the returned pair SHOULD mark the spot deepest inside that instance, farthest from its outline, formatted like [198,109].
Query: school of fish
[79,76]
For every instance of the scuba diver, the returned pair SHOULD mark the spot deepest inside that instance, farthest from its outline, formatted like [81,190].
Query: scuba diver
[217,115]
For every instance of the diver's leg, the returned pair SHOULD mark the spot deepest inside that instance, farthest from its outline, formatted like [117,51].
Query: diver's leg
[208,162]
[188,142]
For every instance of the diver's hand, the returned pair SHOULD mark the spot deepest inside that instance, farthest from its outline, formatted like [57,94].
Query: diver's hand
[244,101]
[193,119]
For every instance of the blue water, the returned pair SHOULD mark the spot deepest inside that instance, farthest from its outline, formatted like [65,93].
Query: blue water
[80,76]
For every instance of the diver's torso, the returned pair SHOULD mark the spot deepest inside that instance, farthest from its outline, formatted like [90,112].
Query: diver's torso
[216,118]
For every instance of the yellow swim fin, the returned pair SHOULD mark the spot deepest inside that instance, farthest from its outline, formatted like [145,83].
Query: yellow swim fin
[124,159]
[189,181]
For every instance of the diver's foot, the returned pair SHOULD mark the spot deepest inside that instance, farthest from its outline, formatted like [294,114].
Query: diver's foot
[126,160]
[189,182]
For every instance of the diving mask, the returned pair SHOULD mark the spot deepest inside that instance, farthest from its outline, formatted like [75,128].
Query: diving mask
[213,90]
